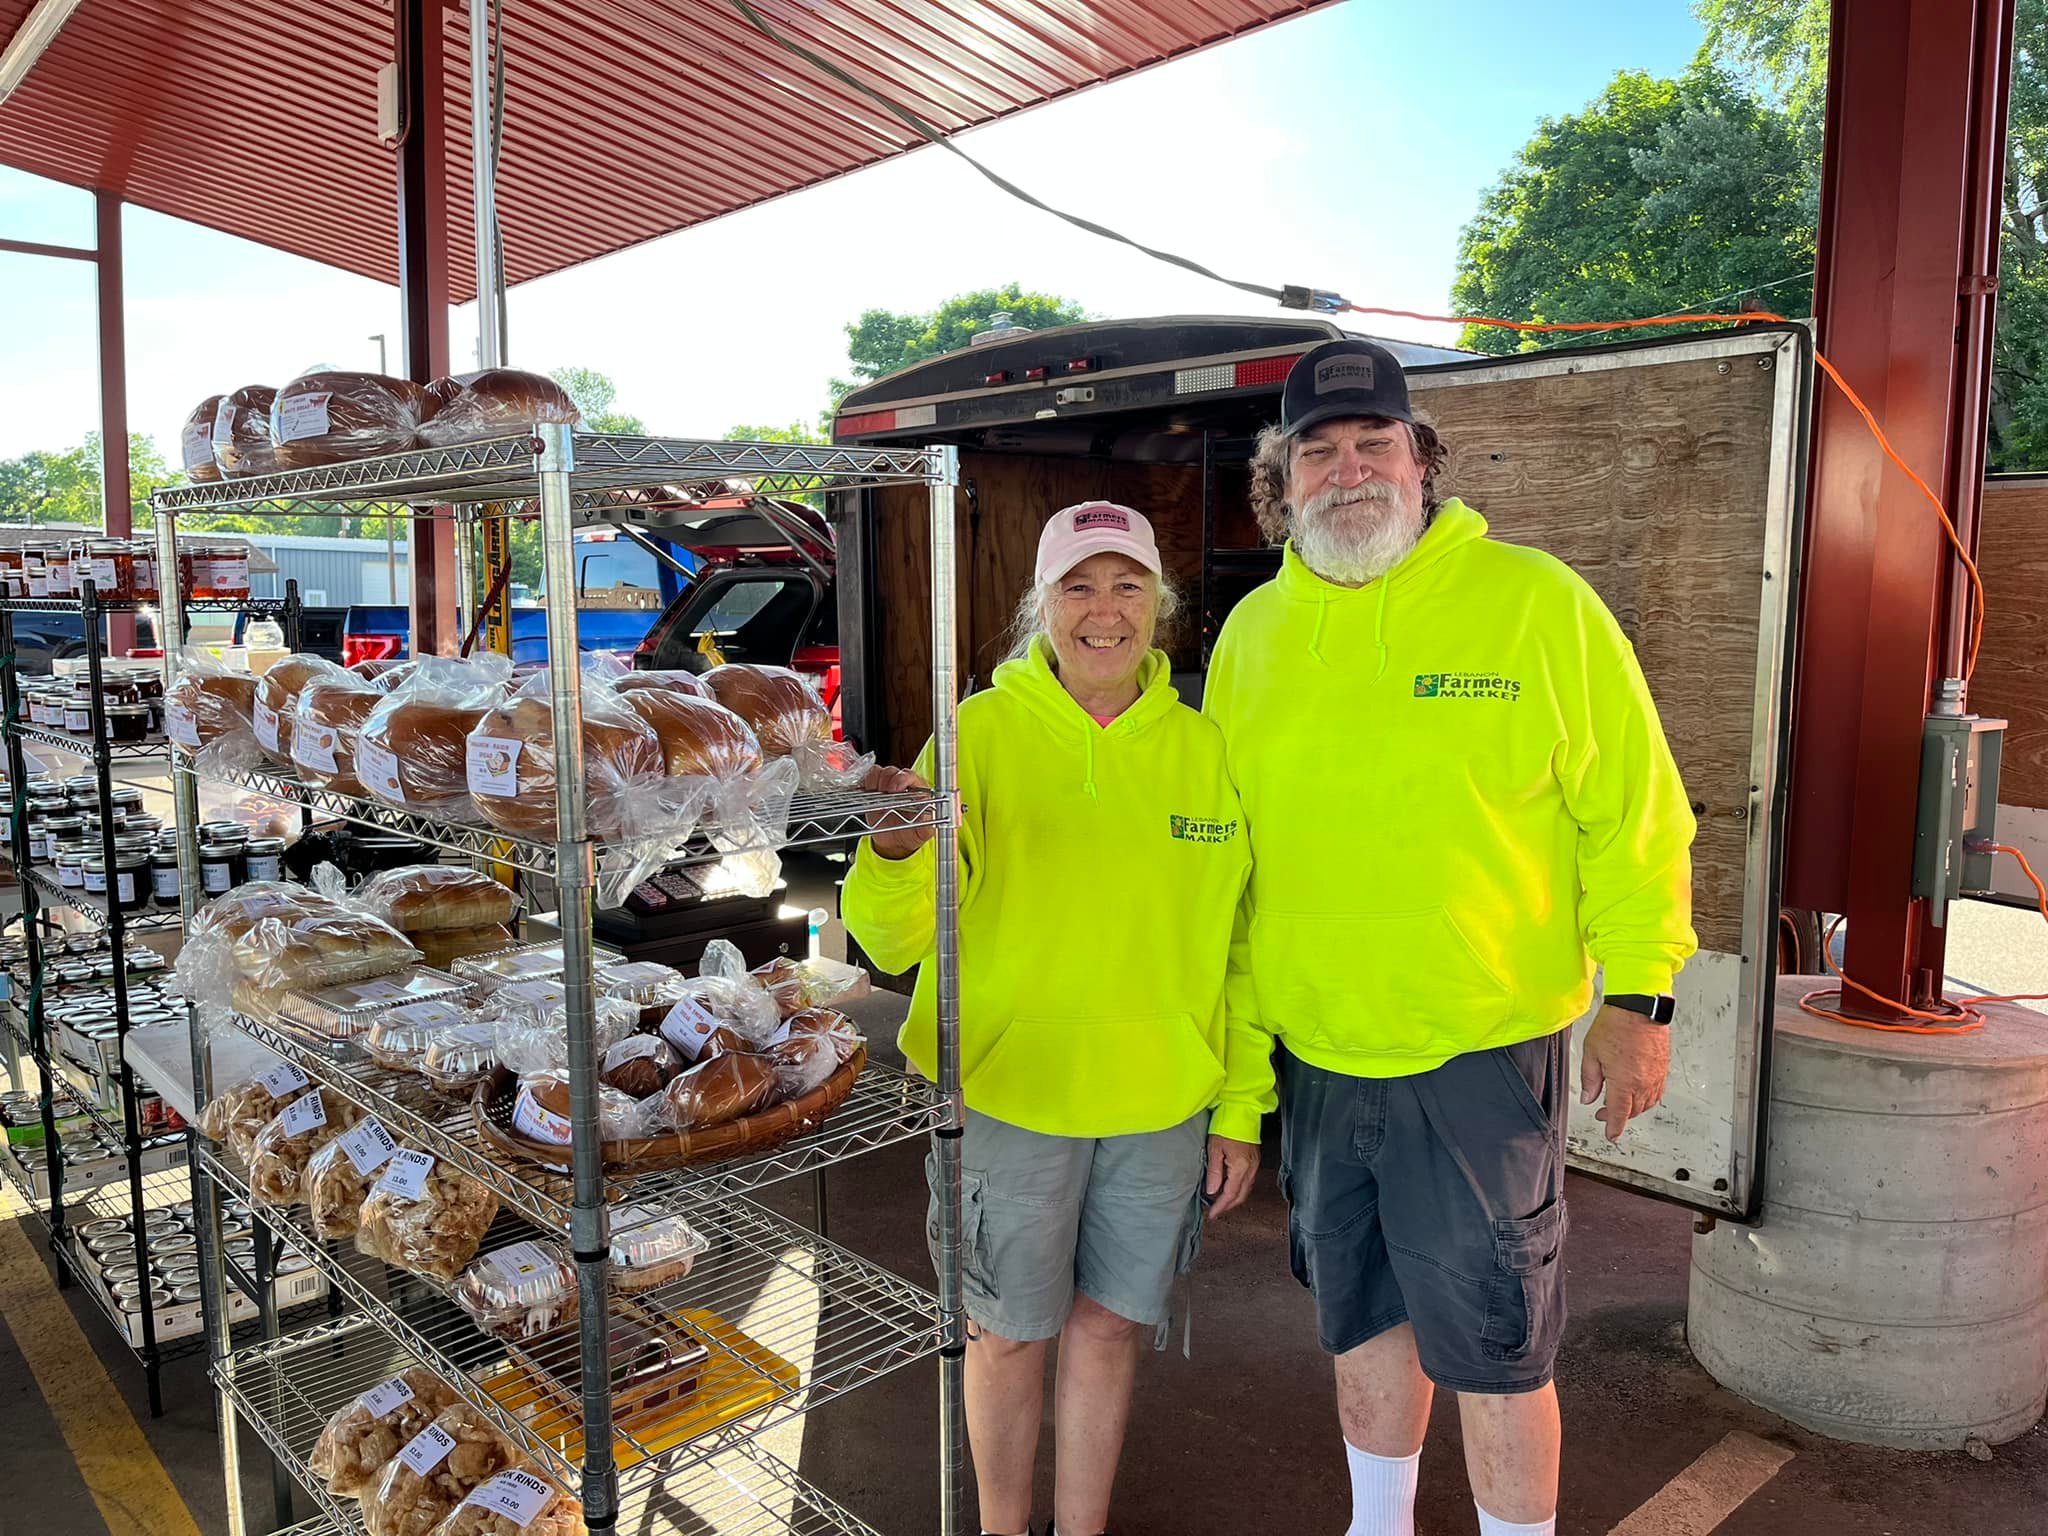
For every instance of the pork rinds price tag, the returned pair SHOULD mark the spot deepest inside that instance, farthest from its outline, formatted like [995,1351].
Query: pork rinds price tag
[386,1399]
[406,1174]
[518,1496]
[369,1147]
[427,1449]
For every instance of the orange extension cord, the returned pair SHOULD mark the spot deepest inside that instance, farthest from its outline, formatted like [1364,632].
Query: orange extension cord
[1956,1017]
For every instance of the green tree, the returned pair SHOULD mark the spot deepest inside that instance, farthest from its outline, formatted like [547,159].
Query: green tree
[1662,196]
[1783,47]
[881,341]
[594,394]
[795,432]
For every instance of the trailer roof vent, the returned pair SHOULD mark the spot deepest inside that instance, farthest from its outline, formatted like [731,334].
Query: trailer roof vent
[1000,328]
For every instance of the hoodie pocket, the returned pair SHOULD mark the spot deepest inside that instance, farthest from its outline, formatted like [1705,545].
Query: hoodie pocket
[1148,1071]
[1382,983]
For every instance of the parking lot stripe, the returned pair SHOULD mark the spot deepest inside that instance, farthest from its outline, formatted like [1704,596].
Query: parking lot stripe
[1706,1493]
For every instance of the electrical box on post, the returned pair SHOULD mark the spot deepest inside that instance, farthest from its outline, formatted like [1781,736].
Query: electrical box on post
[1958,808]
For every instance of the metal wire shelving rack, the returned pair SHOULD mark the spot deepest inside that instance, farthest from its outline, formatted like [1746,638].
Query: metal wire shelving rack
[789,1319]
[42,895]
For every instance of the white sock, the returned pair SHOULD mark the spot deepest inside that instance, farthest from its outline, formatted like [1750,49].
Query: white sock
[1493,1525]
[1382,1493]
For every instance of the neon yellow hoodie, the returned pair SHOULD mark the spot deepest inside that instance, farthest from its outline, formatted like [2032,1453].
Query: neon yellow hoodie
[1460,799]
[1101,873]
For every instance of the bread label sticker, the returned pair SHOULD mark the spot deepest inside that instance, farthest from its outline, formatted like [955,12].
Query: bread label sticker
[688,1025]
[303,416]
[388,1398]
[427,1449]
[266,725]
[369,1147]
[406,1174]
[375,991]
[282,1079]
[518,1496]
[430,1015]
[521,1262]
[377,767]
[303,1115]
[532,1118]
[313,746]
[494,766]
[179,724]
[198,443]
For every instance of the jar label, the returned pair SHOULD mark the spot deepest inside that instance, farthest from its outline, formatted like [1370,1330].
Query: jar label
[494,766]
[168,883]
[303,415]
[265,866]
[377,767]
[95,880]
[313,746]
[39,585]
[266,726]
[217,876]
[102,573]
[126,890]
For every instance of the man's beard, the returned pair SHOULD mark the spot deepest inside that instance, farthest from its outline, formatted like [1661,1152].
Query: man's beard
[1357,535]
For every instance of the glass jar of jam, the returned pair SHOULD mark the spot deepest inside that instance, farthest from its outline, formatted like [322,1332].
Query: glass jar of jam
[58,830]
[215,568]
[131,880]
[265,858]
[127,722]
[165,881]
[109,564]
[70,867]
[13,571]
[78,716]
[35,566]
[143,553]
[220,866]
[95,875]
[57,562]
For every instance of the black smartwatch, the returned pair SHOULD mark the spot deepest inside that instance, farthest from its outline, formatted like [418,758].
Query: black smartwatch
[1658,1009]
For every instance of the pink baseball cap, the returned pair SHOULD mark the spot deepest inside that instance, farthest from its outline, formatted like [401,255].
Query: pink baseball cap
[1094,528]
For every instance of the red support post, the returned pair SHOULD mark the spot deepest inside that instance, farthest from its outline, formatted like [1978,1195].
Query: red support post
[1910,191]
[423,272]
[116,493]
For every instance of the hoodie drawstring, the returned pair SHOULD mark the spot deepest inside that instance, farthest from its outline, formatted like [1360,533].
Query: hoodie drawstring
[1315,641]
[1379,628]
[1088,773]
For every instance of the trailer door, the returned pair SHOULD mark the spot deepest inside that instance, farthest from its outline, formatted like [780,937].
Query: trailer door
[1670,475]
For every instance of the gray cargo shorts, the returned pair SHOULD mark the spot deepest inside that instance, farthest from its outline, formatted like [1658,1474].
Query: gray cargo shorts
[1437,1200]
[1118,1218]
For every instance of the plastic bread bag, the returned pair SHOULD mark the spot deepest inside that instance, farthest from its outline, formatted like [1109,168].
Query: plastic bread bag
[716,1092]
[434,1471]
[412,750]
[713,1008]
[494,402]
[333,415]
[640,1065]
[520,1291]
[319,947]
[431,897]
[651,1249]
[425,1215]
[825,1024]
[515,1503]
[748,824]
[337,1181]
[243,444]
[195,442]
[800,1063]
[327,719]
[277,700]
[790,721]
[819,982]
[207,700]
[530,1043]
[284,1146]
[362,1439]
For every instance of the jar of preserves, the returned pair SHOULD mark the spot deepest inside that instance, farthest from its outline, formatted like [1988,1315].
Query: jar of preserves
[265,858]
[35,567]
[57,562]
[95,876]
[131,882]
[78,716]
[214,568]
[58,830]
[164,878]
[70,867]
[13,571]
[109,564]
[218,866]
[128,722]
[143,552]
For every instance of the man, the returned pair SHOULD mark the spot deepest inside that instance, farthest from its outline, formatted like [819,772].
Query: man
[1460,801]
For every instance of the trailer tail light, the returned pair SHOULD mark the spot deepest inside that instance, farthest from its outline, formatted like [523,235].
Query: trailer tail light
[1264,370]
[1081,365]
[863,421]
[356,648]
[1034,375]
[1248,375]
[1000,376]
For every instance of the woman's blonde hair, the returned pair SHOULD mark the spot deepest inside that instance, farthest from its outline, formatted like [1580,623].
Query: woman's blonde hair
[1029,622]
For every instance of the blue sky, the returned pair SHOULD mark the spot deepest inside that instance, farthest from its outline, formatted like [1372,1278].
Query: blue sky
[1343,150]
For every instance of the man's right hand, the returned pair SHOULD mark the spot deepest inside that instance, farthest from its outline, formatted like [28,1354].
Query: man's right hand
[895,842]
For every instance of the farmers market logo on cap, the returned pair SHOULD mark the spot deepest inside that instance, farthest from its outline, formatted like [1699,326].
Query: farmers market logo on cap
[1201,829]
[1467,685]
[1102,517]
[1351,372]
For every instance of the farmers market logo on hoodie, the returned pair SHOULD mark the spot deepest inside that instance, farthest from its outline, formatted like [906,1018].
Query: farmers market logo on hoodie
[1467,685]
[1200,829]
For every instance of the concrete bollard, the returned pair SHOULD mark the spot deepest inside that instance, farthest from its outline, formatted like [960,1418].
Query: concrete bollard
[1895,1291]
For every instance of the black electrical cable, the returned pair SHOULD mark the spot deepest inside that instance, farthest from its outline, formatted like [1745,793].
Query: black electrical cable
[1294,298]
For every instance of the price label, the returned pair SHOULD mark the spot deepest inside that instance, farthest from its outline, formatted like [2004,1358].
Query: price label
[427,1449]
[518,1496]
[688,1025]
[102,573]
[377,767]
[283,1080]
[369,1146]
[389,1398]
[197,443]
[406,1174]
[494,766]
[266,725]
[303,1115]
[39,586]
[521,1261]
[179,724]
[374,991]
[430,1015]
[313,746]
[304,415]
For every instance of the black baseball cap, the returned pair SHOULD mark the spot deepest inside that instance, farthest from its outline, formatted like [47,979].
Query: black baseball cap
[1347,377]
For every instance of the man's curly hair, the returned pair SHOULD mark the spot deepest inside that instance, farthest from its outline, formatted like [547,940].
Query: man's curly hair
[1269,477]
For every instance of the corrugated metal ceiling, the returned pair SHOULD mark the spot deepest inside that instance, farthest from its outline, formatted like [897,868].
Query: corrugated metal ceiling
[625,119]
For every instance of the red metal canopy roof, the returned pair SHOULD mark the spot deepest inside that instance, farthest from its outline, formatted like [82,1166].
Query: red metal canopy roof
[624,119]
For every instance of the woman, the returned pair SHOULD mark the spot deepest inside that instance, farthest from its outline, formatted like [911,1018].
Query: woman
[1102,856]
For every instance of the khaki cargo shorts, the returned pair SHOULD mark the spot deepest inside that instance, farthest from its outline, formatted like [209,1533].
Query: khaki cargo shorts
[1119,1218]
